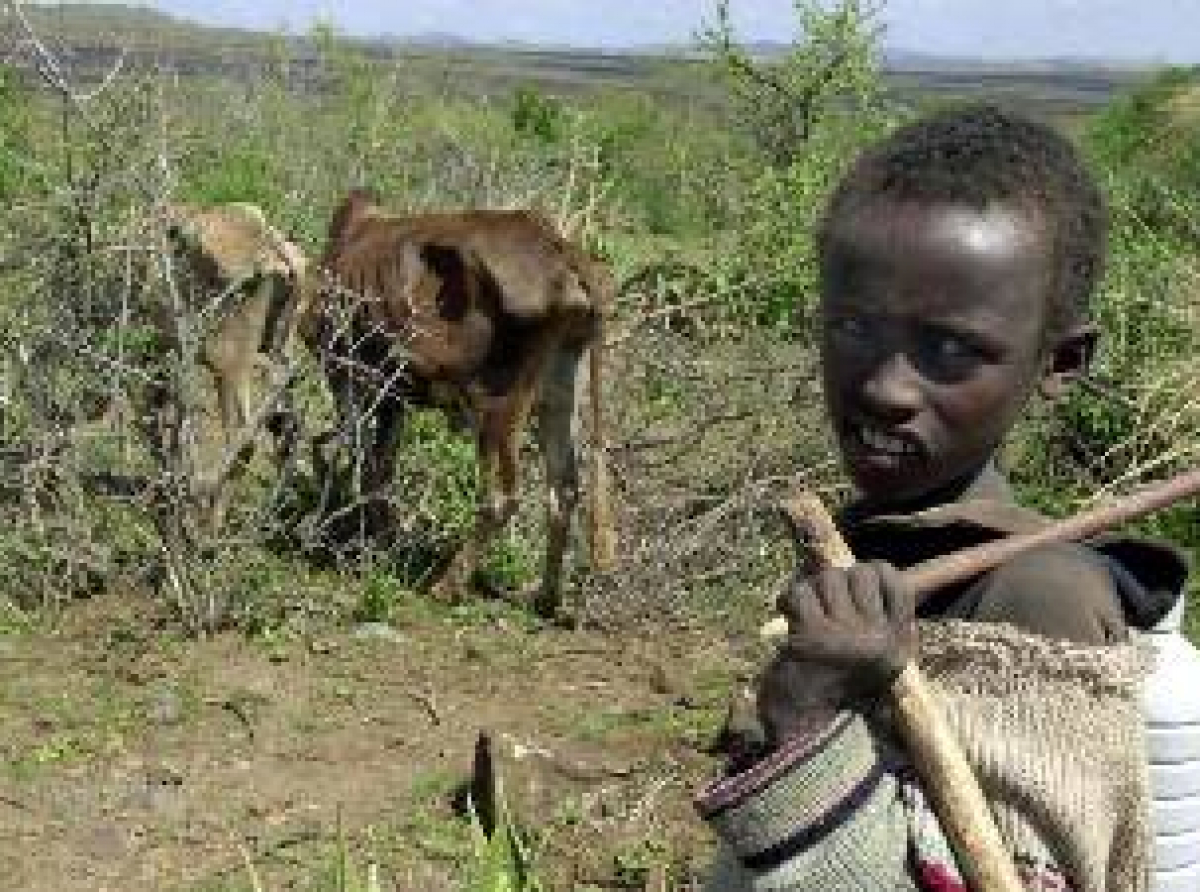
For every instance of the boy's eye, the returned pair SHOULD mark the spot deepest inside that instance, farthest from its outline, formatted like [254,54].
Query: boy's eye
[849,327]
[951,353]
[954,348]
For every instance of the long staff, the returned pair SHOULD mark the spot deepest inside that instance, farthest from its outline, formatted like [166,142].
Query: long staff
[949,781]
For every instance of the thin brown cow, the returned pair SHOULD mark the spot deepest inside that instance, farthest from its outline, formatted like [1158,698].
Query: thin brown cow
[487,310]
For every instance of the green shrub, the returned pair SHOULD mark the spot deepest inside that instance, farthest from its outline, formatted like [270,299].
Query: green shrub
[808,113]
[1148,139]
[502,862]
[830,70]
[379,595]
[1132,126]
[1140,421]
[15,148]
[772,269]
[244,171]
[537,115]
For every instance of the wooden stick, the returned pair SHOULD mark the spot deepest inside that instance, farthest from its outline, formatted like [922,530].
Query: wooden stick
[957,799]
[929,576]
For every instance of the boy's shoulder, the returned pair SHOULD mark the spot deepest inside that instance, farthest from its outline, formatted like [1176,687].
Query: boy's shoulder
[1143,577]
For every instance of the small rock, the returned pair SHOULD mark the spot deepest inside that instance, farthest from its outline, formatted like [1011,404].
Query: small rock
[162,790]
[108,842]
[742,732]
[131,675]
[670,681]
[165,707]
[381,631]
[534,780]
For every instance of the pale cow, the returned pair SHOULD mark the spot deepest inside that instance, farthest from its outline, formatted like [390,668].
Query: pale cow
[242,286]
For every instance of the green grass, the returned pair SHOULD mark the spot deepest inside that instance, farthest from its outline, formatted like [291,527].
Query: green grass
[673,182]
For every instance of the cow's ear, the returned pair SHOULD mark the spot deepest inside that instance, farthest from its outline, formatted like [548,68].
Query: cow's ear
[179,224]
[448,264]
[174,215]
[184,235]
[358,204]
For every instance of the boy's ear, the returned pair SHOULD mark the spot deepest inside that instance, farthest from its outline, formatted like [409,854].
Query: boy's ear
[1067,359]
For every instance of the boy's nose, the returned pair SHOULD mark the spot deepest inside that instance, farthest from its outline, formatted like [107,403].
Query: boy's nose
[892,391]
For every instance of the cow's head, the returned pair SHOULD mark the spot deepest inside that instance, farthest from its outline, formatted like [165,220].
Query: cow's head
[234,255]
[230,243]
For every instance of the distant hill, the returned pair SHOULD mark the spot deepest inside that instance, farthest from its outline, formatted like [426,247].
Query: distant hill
[905,60]
[133,25]
[124,25]
[434,40]
[89,37]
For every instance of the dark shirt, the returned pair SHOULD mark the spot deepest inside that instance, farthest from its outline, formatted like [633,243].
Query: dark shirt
[1090,592]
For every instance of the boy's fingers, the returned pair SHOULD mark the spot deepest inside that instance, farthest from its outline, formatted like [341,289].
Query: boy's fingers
[833,590]
[865,591]
[805,595]
[787,603]
[898,598]
[800,605]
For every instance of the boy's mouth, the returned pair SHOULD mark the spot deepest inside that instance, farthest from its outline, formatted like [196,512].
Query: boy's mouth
[878,441]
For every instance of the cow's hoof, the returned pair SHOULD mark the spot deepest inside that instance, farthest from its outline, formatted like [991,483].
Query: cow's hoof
[449,589]
[527,597]
[545,604]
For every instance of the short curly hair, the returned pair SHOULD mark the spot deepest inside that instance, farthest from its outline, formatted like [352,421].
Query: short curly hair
[980,155]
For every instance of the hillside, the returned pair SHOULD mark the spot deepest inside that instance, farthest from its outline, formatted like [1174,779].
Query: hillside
[123,25]
[91,34]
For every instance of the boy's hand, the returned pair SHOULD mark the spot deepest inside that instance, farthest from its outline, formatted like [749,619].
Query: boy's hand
[850,633]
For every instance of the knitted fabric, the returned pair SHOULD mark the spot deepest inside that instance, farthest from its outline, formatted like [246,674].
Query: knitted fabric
[1052,729]
[820,813]
[933,861]
[1054,733]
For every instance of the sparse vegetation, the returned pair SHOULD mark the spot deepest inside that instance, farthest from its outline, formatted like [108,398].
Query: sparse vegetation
[1140,418]
[287,637]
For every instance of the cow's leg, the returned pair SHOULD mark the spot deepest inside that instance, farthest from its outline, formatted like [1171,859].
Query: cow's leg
[284,425]
[557,433]
[235,396]
[232,403]
[501,420]
[283,421]
[343,456]
[380,469]
[498,445]
[322,448]
[353,486]
[233,354]
[330,448]
[346,451]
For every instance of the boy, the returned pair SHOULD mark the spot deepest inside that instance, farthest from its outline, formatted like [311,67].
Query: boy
[957,261]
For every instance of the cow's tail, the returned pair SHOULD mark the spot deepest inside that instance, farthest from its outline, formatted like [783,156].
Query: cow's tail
[602,526]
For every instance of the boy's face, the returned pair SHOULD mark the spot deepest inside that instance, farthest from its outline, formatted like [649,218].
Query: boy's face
[932,320]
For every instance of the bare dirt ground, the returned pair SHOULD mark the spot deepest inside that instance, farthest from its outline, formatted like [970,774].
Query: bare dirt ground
[131,760]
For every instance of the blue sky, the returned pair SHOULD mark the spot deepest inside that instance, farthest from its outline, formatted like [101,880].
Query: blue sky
[1166,30]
